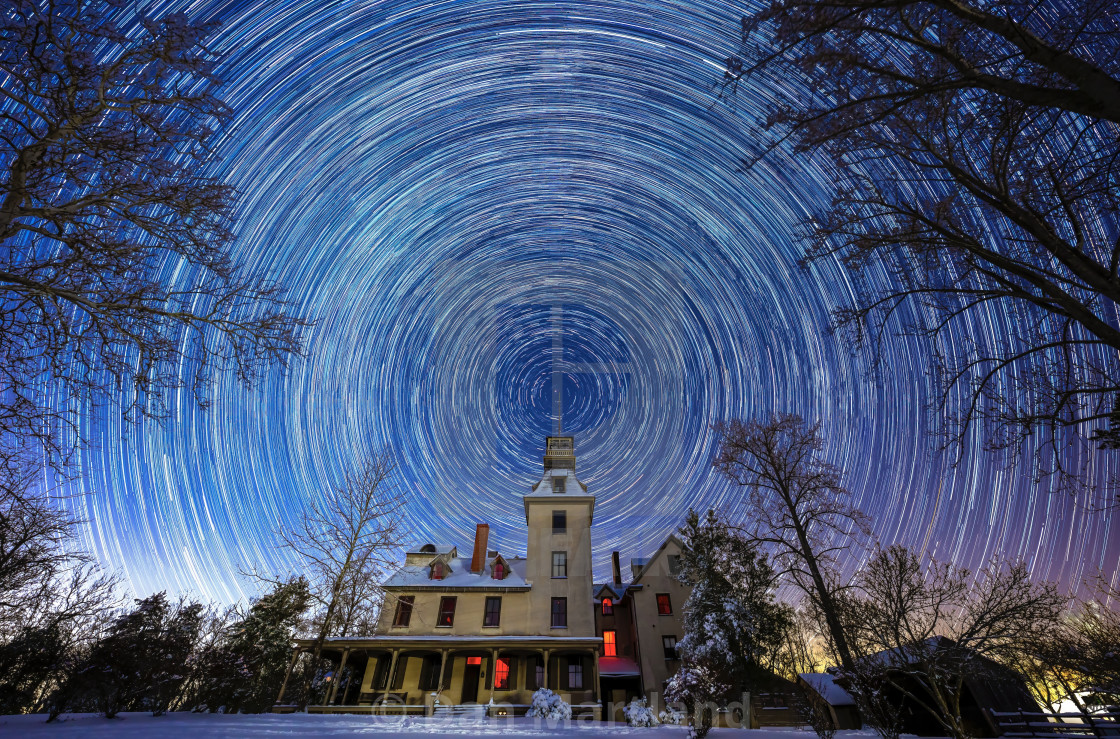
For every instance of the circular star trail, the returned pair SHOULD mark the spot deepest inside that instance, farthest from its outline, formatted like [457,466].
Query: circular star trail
[472,198]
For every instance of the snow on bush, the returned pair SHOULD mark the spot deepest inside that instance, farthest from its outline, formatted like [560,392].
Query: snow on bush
[673,716]
[638,713]
[547,704]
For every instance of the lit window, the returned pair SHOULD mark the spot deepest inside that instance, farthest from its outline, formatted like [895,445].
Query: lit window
[474,660]
[559,613]
[575,676]
[404,610]
[446,611]
[499,571]
[437,571]
[664,605]
[669,644]
[608,607]
[501,674]
[493,612]
[559,564]
[559,522]
[608,644]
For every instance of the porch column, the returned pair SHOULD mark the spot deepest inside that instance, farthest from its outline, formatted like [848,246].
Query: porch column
[595,675]
[338,675]
[442,667]
[288,674]
[547,670]
[389,677]
[493,671]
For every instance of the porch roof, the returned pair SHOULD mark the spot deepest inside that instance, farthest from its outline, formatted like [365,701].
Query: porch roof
[437,641]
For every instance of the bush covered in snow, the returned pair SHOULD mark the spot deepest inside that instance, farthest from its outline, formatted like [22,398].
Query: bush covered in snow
[547,704]
[638,713]
[672,716]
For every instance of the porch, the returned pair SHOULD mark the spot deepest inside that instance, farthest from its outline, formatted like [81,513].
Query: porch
[428,675]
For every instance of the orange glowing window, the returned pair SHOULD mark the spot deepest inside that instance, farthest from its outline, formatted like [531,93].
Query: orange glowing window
[608,607]
[501,674]
[474,660]
[608,644]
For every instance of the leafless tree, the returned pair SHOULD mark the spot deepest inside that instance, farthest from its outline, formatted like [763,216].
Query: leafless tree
[1077,659]
[798,506]
[116,274]
[977,146]
[925,628]
[344,543]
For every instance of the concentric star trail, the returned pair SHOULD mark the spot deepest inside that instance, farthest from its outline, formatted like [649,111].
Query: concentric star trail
[445,187]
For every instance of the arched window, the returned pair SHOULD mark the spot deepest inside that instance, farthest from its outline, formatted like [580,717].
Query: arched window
[608,607]
[499,571]
[437,571]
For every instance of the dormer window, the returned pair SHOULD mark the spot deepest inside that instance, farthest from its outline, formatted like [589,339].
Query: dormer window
[499,571]
[437,571]
[558,484]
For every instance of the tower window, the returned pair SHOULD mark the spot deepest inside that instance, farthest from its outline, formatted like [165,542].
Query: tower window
[446,611]
[404,610]
[559,613]
[608,607]
[559,564]
[558,484]
[493,614]
[559,522]
[609,648]
[664,605]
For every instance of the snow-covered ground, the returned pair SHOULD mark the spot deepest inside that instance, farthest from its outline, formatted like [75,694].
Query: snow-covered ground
[213,726]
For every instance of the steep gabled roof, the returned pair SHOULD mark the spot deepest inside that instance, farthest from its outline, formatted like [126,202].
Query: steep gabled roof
[672,538]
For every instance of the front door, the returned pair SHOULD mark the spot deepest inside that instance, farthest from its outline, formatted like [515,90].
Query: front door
[470,681]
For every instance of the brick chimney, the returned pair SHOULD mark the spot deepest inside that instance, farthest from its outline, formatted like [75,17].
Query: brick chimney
[616,568]
[478,559]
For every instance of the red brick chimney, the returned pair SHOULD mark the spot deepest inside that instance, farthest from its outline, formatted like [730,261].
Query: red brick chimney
[617,569]
[478,559]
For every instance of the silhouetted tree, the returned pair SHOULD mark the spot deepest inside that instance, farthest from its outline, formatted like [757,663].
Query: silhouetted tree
[116,273]
[797,506]
[733,628]
[344,541]
[245,666]
[923,629]
[977,146]
[142,660]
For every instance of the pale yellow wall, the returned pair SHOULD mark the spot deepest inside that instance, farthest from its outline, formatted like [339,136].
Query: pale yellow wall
[469,610]
[651,627]
[577,543]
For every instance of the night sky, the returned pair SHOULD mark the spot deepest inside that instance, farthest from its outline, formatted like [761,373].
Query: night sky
[469,195]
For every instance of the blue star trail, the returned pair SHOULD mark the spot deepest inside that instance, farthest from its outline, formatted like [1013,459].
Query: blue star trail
[467,196]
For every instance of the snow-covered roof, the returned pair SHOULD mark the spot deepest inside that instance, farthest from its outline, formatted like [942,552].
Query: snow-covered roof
[548,483]
[826,686]
[460,576]
[608,590]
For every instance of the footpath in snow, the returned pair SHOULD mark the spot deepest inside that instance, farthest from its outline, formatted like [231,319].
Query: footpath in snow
[213,726]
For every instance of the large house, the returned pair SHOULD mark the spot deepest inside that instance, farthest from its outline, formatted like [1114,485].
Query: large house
[481,628]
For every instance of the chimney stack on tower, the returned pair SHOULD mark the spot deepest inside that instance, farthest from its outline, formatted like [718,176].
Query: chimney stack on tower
[617,568]
[478,559]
